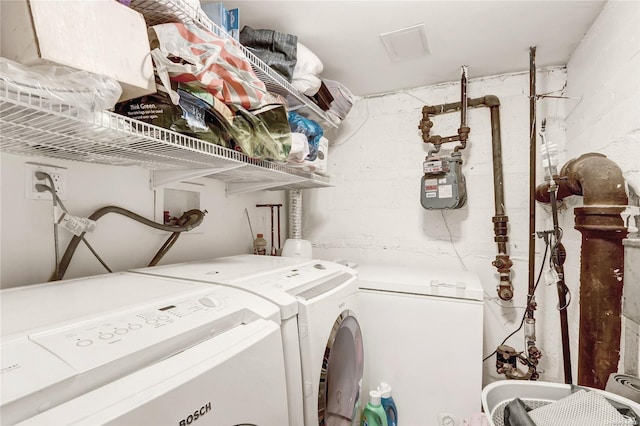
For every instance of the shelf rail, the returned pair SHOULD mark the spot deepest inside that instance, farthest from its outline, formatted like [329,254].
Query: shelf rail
[32,125]
[38,126]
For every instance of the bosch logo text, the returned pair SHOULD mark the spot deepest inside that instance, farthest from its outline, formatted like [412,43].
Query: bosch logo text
[196,415]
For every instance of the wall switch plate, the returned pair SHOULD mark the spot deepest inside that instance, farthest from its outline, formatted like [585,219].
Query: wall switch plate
[58,174]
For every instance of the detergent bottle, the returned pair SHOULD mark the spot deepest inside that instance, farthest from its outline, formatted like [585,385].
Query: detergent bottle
[388,404]
[373,414]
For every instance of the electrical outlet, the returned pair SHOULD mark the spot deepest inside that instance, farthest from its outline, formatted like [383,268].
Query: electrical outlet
[58,174]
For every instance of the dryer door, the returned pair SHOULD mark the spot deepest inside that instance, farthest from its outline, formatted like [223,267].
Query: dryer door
[341,375]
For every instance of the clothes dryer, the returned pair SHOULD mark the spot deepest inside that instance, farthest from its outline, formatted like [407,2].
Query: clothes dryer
[135,349]
[321,334]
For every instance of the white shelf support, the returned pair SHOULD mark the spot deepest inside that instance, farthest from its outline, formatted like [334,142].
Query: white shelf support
[160,178]
[233,188]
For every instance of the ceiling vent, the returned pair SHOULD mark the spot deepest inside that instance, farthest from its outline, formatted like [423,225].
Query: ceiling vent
[407,43]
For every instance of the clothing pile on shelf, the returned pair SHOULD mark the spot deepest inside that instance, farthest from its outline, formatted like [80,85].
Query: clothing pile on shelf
[207,89]
[212,95]
[301,67]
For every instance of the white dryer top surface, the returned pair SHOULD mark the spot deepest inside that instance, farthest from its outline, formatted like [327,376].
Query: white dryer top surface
[281,280]
[225,270]
[33,307]
[420,280]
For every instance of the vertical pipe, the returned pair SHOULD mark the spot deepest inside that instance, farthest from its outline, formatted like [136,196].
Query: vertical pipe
[295,214]
[463,98]
[279,245]
[500,220]
[463,130]
[532,172]
[564,328]
[601,270]
[600,181]
[273,247]
[496,145]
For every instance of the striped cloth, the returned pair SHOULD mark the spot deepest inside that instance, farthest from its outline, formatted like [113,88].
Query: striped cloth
[190,55]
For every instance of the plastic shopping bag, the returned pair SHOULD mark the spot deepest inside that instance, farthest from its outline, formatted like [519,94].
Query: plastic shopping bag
[190,55]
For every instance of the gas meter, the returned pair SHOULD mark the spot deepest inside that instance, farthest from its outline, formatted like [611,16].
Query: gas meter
[443,184]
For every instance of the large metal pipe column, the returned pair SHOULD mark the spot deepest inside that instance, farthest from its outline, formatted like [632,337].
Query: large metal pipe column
[601,183]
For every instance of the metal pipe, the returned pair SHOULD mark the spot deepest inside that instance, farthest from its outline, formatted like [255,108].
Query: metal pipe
[278,206]
[600,181]
[463,97]
[463,130]
[273,252]
[532,172]
[564,326]
[500,221]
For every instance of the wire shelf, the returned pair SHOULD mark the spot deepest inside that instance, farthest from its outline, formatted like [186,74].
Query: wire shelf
[32,125]
[164,11]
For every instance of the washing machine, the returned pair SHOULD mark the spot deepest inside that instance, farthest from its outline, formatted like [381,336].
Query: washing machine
[130,349]
[321,334]
[423,330]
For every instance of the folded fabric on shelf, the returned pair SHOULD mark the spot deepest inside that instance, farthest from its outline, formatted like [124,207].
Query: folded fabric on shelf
[277,50]
[306,71]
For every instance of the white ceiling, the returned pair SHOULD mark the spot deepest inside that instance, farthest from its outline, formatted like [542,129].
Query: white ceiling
[490,37]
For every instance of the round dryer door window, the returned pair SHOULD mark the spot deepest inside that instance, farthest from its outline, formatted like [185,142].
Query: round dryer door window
[341,376]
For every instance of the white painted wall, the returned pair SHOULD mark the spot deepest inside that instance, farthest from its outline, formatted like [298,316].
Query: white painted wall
[27,251]
[374,215]
[604,74]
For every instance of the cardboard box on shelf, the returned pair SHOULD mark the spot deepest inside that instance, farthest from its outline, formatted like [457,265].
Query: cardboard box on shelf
[103,37]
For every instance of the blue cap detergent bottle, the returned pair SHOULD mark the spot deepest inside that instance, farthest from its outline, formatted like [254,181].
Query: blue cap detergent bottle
[388,404]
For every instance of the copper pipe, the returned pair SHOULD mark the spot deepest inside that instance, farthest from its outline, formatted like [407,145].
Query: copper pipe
[600,181]
[500,221]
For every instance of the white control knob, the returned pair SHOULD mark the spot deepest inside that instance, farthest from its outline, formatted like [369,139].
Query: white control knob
[210,301]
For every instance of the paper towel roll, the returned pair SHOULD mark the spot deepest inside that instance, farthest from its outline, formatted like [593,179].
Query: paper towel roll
[624,385]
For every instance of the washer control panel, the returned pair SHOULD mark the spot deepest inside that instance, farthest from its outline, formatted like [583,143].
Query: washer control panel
[166,329]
